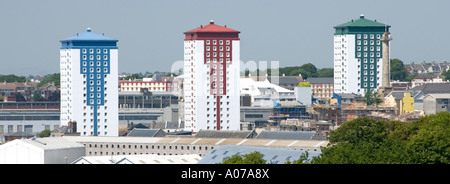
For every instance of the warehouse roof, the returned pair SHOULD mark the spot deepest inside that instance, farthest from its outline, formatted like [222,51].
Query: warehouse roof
[271,155]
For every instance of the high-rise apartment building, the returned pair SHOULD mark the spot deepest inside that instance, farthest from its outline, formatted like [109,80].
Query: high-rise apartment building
[211,83]
[89,84]
[358,55]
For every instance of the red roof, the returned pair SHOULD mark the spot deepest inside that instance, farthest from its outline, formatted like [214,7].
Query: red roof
[212,28]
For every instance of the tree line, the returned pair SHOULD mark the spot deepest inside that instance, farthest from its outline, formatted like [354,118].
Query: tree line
[305,70]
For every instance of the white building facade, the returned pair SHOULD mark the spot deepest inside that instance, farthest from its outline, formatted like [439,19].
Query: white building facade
[89,84]
[358,55]
[211,78]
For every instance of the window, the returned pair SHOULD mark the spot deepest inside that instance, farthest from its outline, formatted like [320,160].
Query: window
[207,48]
[84,51]
[221,42]
[214,42]
[228,42]
[207,42]
[105,51]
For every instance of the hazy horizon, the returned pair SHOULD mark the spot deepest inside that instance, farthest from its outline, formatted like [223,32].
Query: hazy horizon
[150,33]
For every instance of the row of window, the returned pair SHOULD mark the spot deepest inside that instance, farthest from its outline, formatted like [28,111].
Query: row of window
[372,42]
[214,42]
[91,63]
[91,70]
[170,147]
[214,54]
[366,36]
[214,48]
[365,54]
[91,51]
[91,57]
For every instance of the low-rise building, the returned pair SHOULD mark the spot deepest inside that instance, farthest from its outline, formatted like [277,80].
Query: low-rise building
[435,103]
[41,151]
[322,88]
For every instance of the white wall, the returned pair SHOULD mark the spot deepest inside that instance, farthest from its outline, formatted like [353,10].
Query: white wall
[18,152]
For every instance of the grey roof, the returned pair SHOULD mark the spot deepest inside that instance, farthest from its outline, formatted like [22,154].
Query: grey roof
[438,96]
[347,95]
[427,76]
[52,143]
[145,132]
[320,80]
[224,134]
[432,88]
[271,155]
[291,135]
[286,79]
[398,95]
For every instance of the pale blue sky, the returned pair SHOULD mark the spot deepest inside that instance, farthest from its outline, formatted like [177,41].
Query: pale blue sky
[150,32]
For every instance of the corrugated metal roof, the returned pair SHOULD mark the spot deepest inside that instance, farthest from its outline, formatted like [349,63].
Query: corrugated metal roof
[271,155]
[139,159]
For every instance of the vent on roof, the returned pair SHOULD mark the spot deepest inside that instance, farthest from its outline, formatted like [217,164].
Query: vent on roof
[40,142]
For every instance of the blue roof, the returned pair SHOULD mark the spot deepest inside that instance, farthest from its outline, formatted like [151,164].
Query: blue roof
[89,36]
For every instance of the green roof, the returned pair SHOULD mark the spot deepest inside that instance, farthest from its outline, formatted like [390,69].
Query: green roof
[361,25]
[362,22]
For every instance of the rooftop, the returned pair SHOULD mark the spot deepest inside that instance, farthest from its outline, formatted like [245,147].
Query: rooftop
[89,36]
[362,22]
[212,28]
[139,159]
[271,155]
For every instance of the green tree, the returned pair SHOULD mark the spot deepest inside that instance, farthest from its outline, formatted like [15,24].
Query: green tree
[325,72]
[12,78]
[37,97]
[55,78]
[367,141]
[45,133]
[398,70]
[134,76]
[250,158]
[371,97]
[446,75]
[429,142]
[304,84]
[302,160]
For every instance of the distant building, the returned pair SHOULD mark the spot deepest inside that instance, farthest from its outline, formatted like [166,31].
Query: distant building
[263,93]
[322,88]
[9,90]
[426,78]
[152,85]
[423,90]
[41,151]
[89,79]
[358,55]
[283,110]
[211,78]
[424,67]
[435,103]
[403,101]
